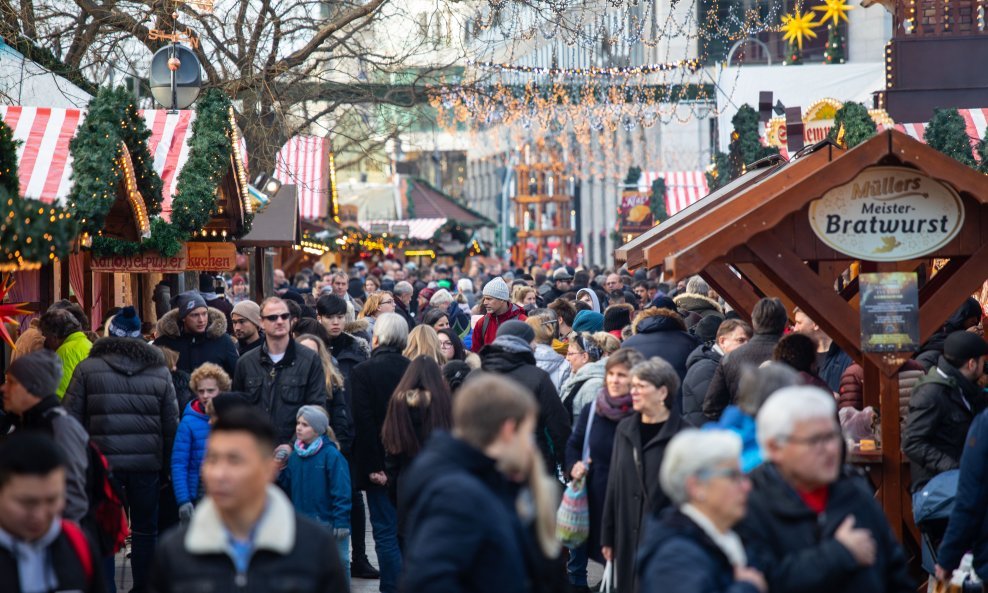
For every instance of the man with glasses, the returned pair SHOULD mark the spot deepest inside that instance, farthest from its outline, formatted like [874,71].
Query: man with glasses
[817,528]
[280,377]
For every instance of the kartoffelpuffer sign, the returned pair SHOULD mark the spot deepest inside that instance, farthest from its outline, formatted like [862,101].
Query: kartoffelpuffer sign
[888,214]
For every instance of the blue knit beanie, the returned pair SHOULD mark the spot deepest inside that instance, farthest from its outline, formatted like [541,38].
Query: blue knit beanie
[126,324]
[588,321]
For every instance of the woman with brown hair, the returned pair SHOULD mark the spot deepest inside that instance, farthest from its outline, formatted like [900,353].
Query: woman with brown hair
[339,416]
[420,404]
[424,341]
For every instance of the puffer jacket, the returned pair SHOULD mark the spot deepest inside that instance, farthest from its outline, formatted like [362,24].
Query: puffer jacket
[943,405]
[214,346]
[701,366]
[852,386]
[660,332]
[582,387]
[552,363]
[124,397]
[188,452]
[281,388]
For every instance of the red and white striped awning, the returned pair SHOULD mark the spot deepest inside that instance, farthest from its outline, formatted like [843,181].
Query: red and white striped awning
[304,162]
[45,163]
[418,228]
[976,120]
[682,187]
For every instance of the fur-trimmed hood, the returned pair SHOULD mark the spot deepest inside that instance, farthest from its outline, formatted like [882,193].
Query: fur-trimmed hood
[698,303]
[354,348]
[359,328]
[170,325]
[127,355]
[654,319]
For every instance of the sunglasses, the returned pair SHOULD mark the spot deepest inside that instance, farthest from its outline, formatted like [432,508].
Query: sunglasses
[277,316]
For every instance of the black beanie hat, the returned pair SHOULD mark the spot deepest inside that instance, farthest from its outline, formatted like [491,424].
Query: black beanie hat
[707,328]
[616,318]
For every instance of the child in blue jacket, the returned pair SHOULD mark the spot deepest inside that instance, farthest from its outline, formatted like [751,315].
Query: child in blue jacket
[206,382]
[317,478]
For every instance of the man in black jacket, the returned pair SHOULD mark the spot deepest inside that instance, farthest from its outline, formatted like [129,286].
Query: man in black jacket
[768,319]
[198,333]
[29,394]
[124,397]
[942,407]
[511,354]
[280,377]
[816,529]
[372,382]
[403,299]
[702,363]
[245,536]
[463,532]
[40,551]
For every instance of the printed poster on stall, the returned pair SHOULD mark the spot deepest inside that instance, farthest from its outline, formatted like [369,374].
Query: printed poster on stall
[889,312]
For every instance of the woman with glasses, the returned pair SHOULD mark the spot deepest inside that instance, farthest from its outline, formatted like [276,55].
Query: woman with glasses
[377,304]
[692,547]
[547,359]
[452,348]
[590,445]
[633,488]
[586,362]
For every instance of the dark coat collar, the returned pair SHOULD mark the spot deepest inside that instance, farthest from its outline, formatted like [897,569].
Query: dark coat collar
[630,428]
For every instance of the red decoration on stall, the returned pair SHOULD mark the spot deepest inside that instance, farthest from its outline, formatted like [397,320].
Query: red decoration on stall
[9,310]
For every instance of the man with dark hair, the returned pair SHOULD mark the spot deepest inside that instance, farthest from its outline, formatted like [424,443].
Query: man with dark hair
[64,335]
[245,532]
[198,333]
[29,394]
[246,317]
[768,320]
[280,377]
[463,530]
[566,314]
[124,396]
[39,550]
[943,406]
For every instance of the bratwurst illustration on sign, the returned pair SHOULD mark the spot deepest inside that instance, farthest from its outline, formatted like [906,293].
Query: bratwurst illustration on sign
[888,214]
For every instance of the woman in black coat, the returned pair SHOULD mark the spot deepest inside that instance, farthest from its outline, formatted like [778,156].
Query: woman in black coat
[633,486]
[692,547]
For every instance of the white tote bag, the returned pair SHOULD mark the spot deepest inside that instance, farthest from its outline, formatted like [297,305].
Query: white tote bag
[608,583]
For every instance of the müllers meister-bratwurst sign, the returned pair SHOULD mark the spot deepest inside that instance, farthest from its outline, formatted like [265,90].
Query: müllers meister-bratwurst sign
[888,214]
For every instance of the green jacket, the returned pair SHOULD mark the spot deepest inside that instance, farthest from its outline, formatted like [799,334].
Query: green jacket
[73,350]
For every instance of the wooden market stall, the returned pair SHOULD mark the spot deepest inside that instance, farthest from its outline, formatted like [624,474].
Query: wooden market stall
[761,236]
[276,226]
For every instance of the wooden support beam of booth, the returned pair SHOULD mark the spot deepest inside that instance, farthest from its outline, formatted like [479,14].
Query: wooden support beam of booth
[834,315]
[941,304]
[756,275]
[740,295]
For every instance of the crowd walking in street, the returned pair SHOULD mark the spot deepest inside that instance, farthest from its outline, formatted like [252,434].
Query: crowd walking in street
[533,430]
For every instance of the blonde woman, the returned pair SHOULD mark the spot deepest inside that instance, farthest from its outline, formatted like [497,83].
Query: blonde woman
[339,419]
[424,341]
[607,342]
[377,304]
[523,296]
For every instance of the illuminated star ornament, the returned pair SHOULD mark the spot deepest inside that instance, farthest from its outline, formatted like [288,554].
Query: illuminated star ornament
[8,310]
[798,27]
[833,10]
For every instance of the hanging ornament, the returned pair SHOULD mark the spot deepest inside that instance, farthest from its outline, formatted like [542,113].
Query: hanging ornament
[833,10]
[797,27]
[9,310]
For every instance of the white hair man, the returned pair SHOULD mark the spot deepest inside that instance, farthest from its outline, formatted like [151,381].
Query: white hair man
[821,530]
[692,547]
[403,292]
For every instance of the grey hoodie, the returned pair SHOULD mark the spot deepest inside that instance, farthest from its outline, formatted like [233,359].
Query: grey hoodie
[593,298]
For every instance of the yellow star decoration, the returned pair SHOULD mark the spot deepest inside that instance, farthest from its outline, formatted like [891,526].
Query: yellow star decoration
[797,27]
[833,10]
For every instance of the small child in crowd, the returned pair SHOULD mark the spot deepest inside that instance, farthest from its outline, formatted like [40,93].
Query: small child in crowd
[206,382]
[317,478]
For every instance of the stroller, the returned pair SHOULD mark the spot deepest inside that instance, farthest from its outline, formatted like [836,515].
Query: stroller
[932,506]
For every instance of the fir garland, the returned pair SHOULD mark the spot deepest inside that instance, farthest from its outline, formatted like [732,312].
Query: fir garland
[31,232]
[947,133]
[194,203]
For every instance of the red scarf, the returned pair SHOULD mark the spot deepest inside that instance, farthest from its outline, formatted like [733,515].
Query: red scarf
[816,499]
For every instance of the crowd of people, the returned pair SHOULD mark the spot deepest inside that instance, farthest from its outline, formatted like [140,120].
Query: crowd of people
[248,443]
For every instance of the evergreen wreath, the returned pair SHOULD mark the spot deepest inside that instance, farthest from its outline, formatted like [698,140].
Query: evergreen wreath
[31,232]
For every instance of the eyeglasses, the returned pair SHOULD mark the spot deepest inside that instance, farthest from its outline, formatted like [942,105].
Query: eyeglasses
[387,302]
[276,317]
[731,473]
[445,344]
[817,441]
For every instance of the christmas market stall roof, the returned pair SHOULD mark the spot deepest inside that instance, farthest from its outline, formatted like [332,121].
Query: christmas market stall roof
[754,238]
[278,224]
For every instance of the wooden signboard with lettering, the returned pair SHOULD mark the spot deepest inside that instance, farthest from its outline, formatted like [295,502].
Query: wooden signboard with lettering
[204,257]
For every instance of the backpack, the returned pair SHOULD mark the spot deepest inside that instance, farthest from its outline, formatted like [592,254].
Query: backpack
[77,539]
[106,512]
[106,504]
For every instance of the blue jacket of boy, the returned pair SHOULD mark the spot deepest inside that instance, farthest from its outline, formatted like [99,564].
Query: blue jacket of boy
[319,485]
[188,452]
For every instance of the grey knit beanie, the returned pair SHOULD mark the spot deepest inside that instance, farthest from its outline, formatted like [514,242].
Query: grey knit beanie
[497,289]
[317,418]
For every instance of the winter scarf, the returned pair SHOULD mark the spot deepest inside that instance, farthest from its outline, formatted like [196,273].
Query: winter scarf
[309,450]
[615,409]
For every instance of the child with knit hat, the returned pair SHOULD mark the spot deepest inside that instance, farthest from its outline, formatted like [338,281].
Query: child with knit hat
[317,478]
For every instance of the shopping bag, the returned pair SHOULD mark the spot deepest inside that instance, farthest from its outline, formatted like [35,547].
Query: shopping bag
[573,517]
[607,584]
